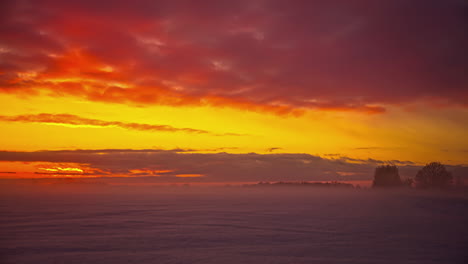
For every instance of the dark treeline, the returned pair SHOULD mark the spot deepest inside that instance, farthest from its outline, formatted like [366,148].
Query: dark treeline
[432,176]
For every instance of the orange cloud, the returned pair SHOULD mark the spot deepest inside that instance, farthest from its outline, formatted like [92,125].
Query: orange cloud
[148,172]
[68,119]
[47,169]
[189,175]
[60,169]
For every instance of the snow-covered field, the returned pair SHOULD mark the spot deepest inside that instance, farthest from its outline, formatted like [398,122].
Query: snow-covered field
[231,225]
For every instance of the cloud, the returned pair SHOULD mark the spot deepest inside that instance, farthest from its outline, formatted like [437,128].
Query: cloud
[168,165]
[265,56]
[376,148]
[370,148]
[68,119]
[370,161]
[273,149]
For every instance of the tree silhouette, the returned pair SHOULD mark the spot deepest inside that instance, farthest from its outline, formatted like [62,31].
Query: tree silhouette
[386,176]
[433,175]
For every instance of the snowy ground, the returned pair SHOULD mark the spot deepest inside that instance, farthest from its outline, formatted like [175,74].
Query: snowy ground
[231,225]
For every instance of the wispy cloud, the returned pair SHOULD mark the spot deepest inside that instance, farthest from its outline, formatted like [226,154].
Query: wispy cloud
[376,148]
[370,161]
[69,119]
[273,149]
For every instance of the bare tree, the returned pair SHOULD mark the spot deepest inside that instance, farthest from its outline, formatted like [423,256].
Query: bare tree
[433,175]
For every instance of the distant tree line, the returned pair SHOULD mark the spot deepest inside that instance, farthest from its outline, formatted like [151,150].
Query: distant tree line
[301,184]
[433,175]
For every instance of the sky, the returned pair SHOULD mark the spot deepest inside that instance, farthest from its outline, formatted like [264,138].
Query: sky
[231,91]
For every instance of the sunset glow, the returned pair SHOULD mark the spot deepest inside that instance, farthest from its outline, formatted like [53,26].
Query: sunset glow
[233,131]
[228,91]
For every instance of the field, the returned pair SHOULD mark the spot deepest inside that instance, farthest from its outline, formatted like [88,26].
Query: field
[231,225]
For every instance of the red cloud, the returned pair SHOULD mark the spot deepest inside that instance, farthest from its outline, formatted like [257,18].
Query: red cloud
[270,56]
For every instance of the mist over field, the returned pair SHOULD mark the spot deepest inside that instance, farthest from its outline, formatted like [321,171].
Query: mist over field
[122,224]
[233,132]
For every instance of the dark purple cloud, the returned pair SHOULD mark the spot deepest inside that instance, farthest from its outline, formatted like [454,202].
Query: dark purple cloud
[258,55]
[215,167]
